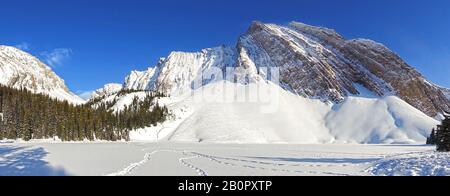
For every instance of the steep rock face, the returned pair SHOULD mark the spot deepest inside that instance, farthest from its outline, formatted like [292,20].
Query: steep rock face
[306,66]
[318,62]
[407,82]
[19,69]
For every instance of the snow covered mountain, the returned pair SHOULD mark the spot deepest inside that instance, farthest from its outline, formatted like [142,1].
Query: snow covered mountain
[318,62]
[19,69]
[176,73]
[331,90]
[314,62]
[107,90]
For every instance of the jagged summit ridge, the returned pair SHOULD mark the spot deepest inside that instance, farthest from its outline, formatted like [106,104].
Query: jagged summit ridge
[176,73]
[107,90]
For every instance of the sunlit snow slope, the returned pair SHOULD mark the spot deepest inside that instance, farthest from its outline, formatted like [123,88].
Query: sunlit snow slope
[289,118]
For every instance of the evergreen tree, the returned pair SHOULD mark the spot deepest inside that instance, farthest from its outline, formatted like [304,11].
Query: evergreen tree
[443,135]
[34,116]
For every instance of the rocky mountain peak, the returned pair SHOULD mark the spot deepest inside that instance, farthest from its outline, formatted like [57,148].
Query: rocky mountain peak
[19,69]
[314,62]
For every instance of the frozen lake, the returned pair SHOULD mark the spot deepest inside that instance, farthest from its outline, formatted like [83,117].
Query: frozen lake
[193,159]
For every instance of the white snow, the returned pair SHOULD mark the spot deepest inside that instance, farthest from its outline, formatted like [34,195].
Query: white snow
[414,164]
[226,119]
[215,114]
[197,159]
[107,90]
[142,80]
[385,120]
[122,100]
[127,99]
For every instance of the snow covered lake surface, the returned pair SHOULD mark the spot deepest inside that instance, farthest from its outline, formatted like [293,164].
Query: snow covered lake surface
[193,159]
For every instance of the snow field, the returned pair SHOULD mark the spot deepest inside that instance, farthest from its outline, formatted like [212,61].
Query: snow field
[200,159]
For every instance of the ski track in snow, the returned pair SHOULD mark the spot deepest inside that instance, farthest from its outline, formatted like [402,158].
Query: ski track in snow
[248,166]
[133,166]
[147,157]
[226,161]
[261,165]
[184,162]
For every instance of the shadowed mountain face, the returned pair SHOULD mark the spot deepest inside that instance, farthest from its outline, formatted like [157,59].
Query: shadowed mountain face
[314,62]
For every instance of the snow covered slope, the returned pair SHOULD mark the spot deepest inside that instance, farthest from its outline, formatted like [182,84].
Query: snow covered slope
[107,90]
[380,120]
[288,118]
[293,120]
[19,69]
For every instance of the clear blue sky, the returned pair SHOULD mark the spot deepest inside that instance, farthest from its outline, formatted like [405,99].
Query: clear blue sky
[90,43]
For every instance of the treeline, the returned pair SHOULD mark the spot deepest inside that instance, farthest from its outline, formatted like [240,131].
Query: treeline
[29,116]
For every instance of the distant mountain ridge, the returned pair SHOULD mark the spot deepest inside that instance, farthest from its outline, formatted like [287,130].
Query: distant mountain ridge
[314,62]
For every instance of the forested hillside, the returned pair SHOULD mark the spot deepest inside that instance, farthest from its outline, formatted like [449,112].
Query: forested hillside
[25,115]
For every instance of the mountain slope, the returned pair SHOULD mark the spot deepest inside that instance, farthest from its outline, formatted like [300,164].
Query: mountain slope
[318,62]
[446,92]
[363,119]
[19,69]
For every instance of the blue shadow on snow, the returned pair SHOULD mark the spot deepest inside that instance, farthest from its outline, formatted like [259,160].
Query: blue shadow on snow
[21,161]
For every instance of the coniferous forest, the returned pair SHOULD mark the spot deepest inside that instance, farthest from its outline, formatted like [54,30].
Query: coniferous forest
[25,115]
